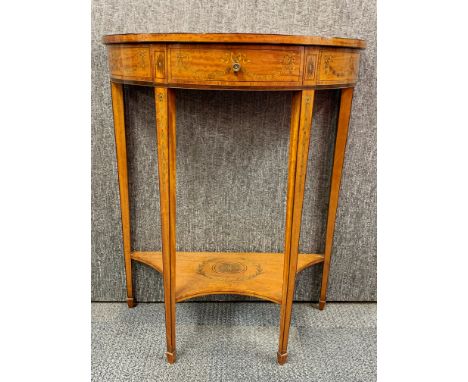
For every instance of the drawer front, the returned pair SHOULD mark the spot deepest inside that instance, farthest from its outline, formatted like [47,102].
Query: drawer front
[130,62]
[338,67]
[234,64]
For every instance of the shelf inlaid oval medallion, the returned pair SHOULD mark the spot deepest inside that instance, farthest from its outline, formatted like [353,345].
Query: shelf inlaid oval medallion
[228,267]
[240,270]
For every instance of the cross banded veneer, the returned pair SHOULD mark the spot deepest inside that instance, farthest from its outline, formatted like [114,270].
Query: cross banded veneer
[302,64]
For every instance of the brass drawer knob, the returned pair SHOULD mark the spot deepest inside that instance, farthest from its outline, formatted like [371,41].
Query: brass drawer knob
[236,67]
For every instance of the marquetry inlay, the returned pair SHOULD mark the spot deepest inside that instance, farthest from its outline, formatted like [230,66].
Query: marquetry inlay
[337,67]
[240,270]
[236,64]
[133,62]
[160,64]
[310,66]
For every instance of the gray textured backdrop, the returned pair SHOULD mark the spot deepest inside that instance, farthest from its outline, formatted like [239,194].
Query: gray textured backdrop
[232,152]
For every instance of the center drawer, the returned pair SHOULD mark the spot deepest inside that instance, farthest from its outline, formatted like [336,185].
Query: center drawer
[242,64]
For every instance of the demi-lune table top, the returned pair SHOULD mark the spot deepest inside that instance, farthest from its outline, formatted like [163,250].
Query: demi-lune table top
[233,38]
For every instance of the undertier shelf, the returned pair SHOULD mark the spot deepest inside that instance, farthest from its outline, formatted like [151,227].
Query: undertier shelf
[245,273]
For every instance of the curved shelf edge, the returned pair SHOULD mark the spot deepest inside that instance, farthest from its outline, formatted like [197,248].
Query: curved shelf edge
[307,260]
[152,259]
[238,292]
[251,274]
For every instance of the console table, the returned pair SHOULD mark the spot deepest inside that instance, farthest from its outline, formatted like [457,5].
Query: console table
[302,64]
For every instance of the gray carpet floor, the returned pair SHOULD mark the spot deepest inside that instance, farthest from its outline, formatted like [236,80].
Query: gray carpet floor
[234,342]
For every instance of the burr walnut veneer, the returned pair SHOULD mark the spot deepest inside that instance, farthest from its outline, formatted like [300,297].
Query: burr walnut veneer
[302,64]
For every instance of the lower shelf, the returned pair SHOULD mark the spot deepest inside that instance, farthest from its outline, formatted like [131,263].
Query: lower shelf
[251,274]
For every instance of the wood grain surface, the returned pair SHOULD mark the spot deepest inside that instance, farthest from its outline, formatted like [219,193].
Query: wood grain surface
[301,120]
[121,153]
[247,38]
[244,273]
[338,160]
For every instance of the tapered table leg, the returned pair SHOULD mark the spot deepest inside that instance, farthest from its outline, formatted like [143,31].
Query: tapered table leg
[121,152]
[166,136]
[301,120]
[340,146]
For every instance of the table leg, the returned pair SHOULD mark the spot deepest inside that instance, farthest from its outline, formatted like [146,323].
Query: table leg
[121,152]
[340,146]
[301,120]
[166,137]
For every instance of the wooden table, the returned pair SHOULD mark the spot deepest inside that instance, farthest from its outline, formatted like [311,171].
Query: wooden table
[302,64]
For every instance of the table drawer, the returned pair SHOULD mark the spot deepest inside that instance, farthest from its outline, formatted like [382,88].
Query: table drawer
[234,64]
